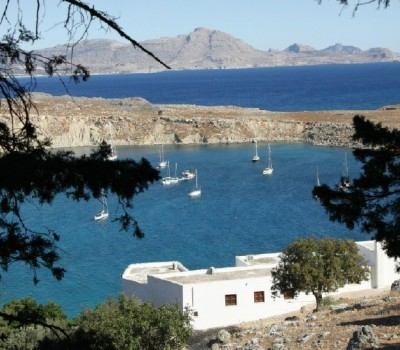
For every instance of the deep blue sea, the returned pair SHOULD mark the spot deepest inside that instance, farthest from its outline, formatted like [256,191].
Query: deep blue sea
[240,211]
[324,87]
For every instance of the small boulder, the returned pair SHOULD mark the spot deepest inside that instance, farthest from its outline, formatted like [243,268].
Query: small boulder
[223,336]
[274,329]
[305,337]
[363,338]
[310,318]
[395,286]
[278,344]
[292,318]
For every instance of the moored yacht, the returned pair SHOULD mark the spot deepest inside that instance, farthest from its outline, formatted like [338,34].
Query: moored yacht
[255,158]
[268,170]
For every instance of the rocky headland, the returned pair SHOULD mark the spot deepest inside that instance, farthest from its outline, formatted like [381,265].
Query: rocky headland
[77,121]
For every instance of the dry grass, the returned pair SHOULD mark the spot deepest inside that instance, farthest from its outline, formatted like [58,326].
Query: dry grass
[330,328]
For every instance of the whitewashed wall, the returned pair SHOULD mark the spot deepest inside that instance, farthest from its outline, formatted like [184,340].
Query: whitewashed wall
[207,298]
[165,292]
[135,289]
[383,268]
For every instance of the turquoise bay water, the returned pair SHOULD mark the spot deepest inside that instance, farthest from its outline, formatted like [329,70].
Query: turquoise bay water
[240,211]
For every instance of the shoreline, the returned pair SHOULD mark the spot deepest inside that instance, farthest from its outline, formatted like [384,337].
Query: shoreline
[80,121]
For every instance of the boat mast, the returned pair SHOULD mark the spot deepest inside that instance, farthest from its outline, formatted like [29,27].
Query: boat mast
[269,157]
[345,166]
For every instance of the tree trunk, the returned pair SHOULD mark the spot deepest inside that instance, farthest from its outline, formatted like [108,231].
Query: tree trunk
[318,299]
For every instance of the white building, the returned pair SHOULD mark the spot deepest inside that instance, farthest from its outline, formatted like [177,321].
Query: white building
[231,295]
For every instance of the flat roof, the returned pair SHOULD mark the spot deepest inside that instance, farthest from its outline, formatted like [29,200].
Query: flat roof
[223,274]
[139,272]
[258,265]
[255,260]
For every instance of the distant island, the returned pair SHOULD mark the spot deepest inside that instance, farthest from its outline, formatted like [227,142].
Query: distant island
[208,49]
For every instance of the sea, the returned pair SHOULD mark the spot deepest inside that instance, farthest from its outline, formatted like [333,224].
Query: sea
[240,211]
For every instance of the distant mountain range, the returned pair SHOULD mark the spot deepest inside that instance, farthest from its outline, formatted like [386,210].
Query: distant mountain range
[208,49]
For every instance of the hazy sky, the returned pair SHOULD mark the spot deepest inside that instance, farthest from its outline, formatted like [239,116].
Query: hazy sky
[263,24]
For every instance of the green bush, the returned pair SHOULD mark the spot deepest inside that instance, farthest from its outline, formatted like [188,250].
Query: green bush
[118,324]
[126,323]
[22,323]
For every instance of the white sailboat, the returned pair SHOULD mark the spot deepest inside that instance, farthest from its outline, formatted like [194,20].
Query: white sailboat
[344,183]
[162,163]
[318,182]
[255,158]
[197,190]
[175,179]
[188,174]
[268,170]
[346,179]
[113,155]
[167,179]
[104,212]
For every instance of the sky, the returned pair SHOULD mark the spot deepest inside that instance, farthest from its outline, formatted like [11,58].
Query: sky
[263,24]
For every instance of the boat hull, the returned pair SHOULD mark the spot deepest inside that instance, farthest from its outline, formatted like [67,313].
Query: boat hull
[268,171]
[101,216]
[195,193]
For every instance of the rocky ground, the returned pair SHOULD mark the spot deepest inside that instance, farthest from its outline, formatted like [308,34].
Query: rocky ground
[374,312]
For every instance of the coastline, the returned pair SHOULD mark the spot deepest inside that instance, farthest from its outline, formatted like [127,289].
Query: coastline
[80,121]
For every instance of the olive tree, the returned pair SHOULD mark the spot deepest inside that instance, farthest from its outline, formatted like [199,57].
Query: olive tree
[315,266]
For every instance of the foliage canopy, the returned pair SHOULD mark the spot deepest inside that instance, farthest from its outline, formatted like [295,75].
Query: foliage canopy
[357,3]
[24,323]
[373,199]
[125,323]
[30,171]
[318,266]
[119,324]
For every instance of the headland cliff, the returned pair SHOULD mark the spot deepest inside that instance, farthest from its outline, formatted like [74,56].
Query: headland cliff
[76,121]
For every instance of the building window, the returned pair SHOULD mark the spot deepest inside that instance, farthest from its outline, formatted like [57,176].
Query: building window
[288,295]
[259,297]
[230,299]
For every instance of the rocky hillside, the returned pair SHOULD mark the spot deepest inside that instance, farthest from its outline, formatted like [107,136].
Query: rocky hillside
[85,122]
[353,321]
[208,49]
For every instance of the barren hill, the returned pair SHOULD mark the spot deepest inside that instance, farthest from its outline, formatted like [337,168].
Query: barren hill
[208,49]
